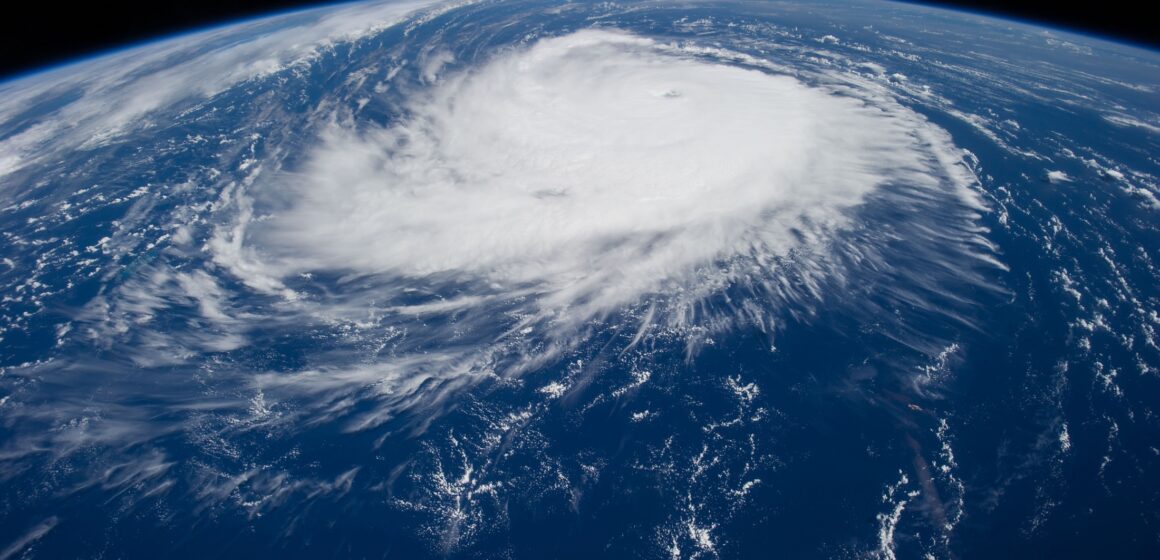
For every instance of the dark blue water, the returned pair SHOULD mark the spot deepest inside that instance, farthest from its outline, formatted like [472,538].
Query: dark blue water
[1009,405]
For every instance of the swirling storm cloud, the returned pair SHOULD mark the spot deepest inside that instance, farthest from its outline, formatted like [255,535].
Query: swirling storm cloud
[594,169]
[579,177]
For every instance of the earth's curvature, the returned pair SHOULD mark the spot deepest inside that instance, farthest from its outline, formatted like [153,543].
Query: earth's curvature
[570,280]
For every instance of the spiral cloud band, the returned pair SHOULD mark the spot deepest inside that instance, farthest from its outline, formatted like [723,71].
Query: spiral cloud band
[590,170]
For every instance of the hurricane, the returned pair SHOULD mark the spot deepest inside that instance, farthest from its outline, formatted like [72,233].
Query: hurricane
[541,279]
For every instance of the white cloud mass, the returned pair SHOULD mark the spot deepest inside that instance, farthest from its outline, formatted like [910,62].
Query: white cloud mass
[590,170]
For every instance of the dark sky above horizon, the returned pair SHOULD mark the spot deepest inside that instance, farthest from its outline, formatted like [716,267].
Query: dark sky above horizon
[44,34]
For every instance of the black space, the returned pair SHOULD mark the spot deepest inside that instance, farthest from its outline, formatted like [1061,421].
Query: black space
[37,34]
